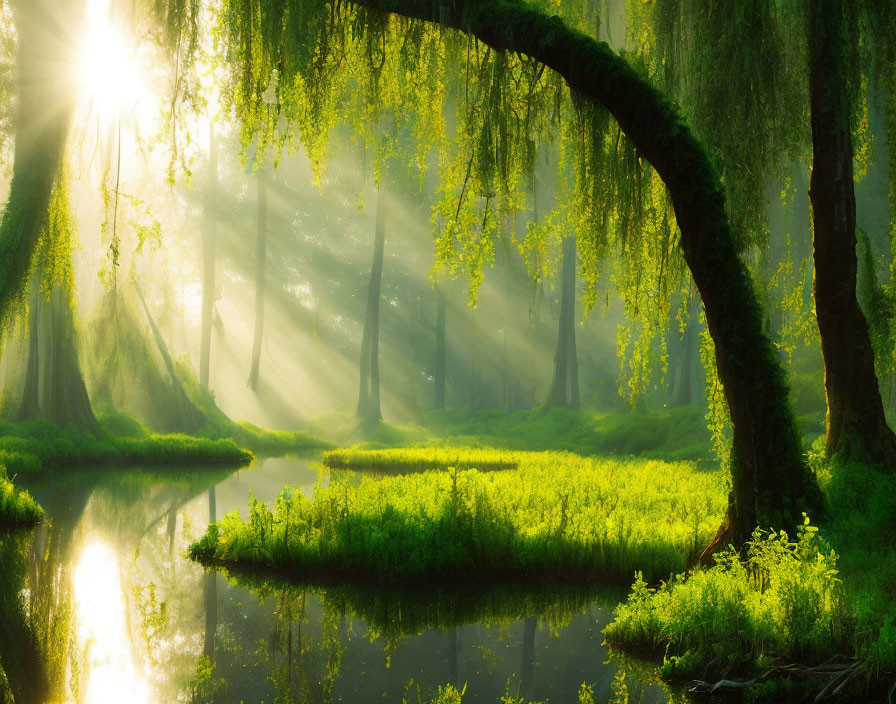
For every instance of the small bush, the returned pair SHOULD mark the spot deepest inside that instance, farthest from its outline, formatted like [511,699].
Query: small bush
[779,601]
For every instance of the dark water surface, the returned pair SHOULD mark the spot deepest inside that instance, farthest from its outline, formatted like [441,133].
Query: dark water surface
[114,612]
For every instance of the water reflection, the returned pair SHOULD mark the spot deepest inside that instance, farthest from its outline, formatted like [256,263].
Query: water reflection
[102,632]
[99,604]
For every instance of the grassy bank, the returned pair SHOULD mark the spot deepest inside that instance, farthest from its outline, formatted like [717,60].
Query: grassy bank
[422,458]
[820,597]
[34,446]
[17,508]
[558,516]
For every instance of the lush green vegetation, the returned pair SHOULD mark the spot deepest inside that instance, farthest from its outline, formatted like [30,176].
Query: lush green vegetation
[17,508]
[557,516]
[33,446]
[827,594]
[423,458]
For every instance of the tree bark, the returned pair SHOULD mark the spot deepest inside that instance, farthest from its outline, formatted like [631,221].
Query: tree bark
[54,386]
[771,481]
[564,391]
[441,358]
[260,256]
[209,237]
[369,395]
[856,425]
[45,102]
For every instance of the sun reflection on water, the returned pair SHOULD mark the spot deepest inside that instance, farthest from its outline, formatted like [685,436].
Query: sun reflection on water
[111,676]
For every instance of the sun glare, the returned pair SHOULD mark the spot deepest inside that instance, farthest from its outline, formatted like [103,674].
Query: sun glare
[111,78]
[103,632]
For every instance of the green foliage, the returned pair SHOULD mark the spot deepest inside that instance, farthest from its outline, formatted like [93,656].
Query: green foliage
[783,601]
[453,525]
[779,601]
[36,445]
[16,506]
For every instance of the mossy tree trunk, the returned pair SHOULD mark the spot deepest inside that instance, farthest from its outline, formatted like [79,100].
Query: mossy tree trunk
[369,393]
[260,256]
[54,386]
[209,241]
[856,424]
[771,481]
[441,357]
[44,106]
[564,392]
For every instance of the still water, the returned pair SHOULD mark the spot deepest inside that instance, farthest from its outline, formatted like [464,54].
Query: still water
[100,606]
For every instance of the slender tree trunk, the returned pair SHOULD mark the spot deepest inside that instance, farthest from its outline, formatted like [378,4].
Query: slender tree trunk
[54,386]
[682,390]
[441,358]
[209,237]
[369,395]
[771,481]
[856,425]
[260,256]
[565,385]
[189,417]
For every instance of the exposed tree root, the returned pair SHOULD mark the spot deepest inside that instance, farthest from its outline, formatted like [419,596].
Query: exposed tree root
[838,675]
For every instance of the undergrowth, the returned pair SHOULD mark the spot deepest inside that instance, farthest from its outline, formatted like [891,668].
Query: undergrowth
[558,516]
[827,595]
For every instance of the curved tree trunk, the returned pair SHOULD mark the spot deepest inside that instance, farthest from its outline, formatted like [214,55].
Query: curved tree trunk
[209,237]
[260,256]
[369,394]
[771,481]
[565,385]
[856,424]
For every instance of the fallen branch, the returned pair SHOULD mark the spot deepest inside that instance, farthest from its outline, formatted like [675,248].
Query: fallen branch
[839,674]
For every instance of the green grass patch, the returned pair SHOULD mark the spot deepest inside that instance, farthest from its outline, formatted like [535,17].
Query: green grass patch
[35,445]
[17,508]
[558,516]
[420,458]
